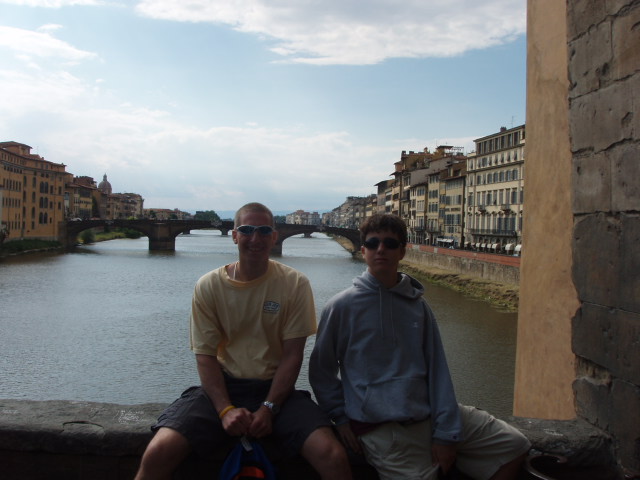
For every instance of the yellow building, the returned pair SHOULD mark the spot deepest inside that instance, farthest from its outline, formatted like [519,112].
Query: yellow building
[495,191]
[32,193]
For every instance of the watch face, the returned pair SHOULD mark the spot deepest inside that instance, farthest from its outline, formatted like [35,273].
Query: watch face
[272,406]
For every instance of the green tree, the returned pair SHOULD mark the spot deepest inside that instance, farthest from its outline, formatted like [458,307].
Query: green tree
[88,236]
[208,215]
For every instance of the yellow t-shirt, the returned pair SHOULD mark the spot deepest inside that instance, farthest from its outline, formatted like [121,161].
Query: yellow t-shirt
[244,323]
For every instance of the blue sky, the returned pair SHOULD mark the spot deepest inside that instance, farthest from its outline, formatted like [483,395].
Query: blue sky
[210,104]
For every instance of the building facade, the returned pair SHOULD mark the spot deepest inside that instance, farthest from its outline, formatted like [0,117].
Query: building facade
[495,192]
[32,193]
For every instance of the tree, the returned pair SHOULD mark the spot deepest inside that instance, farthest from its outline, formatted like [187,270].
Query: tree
[208,215]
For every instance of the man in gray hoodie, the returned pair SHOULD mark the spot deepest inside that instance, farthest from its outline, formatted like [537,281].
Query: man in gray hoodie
[379,370]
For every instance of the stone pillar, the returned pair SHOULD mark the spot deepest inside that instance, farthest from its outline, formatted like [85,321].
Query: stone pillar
[161,237]
[581,263]
[548,299]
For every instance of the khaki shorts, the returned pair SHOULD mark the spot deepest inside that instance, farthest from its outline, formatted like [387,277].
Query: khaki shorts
[403,451]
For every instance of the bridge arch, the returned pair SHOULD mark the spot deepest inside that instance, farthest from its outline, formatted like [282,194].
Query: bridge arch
[286,230]
[162,234]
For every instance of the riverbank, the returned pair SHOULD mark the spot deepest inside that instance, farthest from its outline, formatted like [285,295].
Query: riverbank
[501,295]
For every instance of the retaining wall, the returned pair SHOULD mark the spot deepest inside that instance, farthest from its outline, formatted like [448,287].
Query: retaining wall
[96,441]
[487,266]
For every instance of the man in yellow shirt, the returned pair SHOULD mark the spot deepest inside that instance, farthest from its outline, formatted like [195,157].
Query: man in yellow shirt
[249,324]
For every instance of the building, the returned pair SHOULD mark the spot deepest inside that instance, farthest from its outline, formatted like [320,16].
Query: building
[451,211]
[83,199]
[300,217]
[352,212]
[32,193]
[495,192]
[418,194]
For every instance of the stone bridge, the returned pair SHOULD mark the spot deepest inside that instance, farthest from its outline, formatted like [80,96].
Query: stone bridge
[162,233]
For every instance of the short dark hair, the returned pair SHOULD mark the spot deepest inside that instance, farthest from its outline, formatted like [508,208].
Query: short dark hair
[381,222]
[252,207]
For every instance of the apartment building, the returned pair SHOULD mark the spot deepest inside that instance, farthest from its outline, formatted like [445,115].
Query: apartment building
[495,192]
[419,194]
[352,212]
[451,210]
[32,193]
[301,217]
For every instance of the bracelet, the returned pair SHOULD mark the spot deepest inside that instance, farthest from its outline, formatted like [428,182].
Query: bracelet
[225,410]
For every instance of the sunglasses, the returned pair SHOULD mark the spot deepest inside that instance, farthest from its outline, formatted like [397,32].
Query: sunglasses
[374,242]
[249,229]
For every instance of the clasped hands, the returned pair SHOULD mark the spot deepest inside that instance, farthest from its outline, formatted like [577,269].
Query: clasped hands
[240,421]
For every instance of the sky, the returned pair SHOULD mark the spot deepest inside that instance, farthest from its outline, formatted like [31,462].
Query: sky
[298,104]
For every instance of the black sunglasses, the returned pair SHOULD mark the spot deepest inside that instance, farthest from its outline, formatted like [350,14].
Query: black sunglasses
[374,242]
[249,229]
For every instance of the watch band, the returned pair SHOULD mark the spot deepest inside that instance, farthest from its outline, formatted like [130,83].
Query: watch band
[271,406]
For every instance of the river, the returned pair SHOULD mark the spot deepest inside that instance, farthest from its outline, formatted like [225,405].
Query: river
[109,322]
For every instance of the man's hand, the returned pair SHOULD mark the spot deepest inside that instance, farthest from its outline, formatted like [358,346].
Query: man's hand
[237,422]
[443,455]
[348,437]
[261,424]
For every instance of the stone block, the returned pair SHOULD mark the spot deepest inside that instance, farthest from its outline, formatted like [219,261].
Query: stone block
[629,284]
[591,183]
[601,118]
[610,339]
[579,441]
[596,259]
[626,422]
[80,428]
[582,14]
[590,58]
[625,37]
[625,172]
[593,402]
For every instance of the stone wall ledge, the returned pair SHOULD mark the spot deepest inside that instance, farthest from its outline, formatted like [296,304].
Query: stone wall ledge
[85,440]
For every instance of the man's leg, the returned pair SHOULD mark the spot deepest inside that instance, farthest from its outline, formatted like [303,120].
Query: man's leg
[165,452]
[326,455]
[491,449]
[510,470]
[400,451]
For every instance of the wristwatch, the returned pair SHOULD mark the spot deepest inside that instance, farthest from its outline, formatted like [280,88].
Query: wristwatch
[271,406]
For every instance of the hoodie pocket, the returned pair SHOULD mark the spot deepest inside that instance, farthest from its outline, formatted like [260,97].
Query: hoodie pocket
[397,399]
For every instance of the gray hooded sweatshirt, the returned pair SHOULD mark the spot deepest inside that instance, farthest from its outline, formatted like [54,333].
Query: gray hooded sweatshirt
[378,357]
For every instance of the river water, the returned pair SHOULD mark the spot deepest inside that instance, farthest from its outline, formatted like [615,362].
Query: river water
[109,322]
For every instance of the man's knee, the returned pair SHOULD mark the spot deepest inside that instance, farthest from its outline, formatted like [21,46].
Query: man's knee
[165,451]
[324,446]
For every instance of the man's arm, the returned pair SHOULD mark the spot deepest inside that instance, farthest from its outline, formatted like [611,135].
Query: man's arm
[237,421]
[283,384]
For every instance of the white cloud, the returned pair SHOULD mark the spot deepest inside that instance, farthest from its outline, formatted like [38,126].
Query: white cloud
[27,45]
[355,32]
[149,152]
[52,3]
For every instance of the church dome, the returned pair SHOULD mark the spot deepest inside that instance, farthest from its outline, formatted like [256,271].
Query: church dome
[104,186]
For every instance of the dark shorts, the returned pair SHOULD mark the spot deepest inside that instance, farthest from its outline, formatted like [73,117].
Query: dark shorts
[194,416]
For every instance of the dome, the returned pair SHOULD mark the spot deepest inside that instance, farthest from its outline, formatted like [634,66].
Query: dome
[104,186]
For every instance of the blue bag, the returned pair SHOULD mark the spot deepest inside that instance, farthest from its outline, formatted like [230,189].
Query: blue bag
[247,461]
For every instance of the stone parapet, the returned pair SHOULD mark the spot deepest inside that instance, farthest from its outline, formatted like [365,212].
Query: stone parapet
[96,441]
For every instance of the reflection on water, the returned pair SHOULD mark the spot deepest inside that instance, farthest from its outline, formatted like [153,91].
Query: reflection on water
[109,322]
